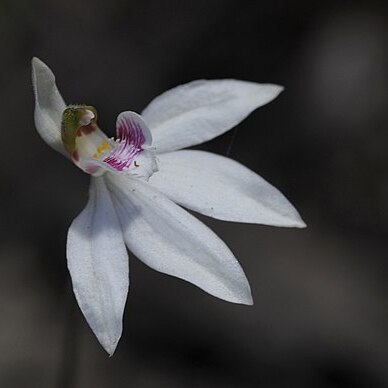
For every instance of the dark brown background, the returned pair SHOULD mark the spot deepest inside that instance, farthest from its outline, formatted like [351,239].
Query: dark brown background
[320,317]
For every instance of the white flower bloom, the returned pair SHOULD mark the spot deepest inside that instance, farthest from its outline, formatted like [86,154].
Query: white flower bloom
[137,181]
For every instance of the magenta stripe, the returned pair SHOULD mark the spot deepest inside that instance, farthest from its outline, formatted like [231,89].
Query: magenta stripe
[130,139]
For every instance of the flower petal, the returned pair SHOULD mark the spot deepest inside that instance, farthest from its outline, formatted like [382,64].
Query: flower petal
[132,135]
[49,105]
[98,264]
[131,125]
[222,188]
[143,167]
[196,112]
[170,240]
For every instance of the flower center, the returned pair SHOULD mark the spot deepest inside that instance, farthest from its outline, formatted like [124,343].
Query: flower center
[95,153]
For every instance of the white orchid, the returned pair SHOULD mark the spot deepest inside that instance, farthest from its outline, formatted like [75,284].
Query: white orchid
[138,182]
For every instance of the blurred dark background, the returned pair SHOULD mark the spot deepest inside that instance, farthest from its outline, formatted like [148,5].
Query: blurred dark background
[320,317]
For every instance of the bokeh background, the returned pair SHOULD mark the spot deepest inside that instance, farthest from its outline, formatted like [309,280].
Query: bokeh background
[320,317]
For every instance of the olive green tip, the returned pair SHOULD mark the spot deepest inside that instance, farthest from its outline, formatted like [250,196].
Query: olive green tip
[73,118]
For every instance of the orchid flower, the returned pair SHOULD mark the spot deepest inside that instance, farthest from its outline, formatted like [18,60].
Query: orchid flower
[140,180]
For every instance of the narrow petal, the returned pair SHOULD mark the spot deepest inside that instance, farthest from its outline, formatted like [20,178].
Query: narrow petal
[196,112]
[49,105]
[170,240]
[222,188]
[98,264]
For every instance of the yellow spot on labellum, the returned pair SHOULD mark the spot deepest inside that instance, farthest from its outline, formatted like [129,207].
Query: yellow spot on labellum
[101,148]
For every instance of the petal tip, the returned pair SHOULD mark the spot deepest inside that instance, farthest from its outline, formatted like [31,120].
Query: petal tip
[245,300]
[248,301]
[43,80]
[41,72]
[280,88]
[243,296]
[35,60]
[275,89]
[38,64]
[297,222]
[293,220]
[301,224]
[110,347]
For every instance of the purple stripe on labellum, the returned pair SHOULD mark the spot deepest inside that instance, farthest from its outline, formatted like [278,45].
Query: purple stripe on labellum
[130,139]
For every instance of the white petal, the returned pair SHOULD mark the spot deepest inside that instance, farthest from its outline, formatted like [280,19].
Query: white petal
[49,105]
[98,264]
[196,112]
[222,188]
[170,240]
